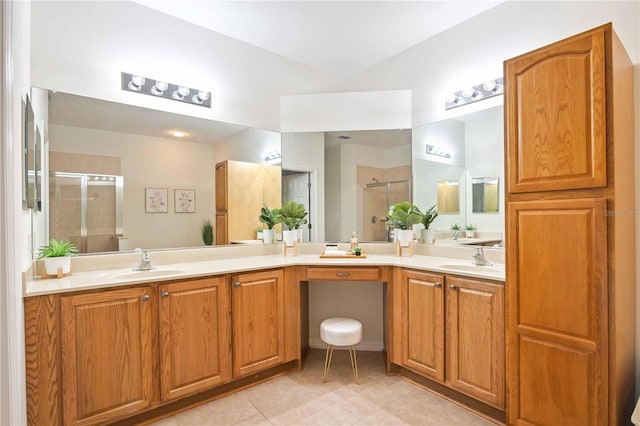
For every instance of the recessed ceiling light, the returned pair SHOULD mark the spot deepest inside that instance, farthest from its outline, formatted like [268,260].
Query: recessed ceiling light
[179,134]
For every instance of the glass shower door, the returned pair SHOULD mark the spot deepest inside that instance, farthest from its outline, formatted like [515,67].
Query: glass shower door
[376,200]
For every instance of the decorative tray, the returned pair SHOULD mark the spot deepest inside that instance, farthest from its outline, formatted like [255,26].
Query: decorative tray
[343,256]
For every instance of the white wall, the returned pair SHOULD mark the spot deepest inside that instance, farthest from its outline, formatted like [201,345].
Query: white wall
[156,163]
[250,146]
[15,224]
[305,152]
[80,47]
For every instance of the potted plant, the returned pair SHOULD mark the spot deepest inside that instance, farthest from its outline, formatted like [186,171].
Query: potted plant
[57,257]
[259,233]
[271,219]
[470,231]
[357,251]
[207,232]
[292,215]
[426,234]
[402,217]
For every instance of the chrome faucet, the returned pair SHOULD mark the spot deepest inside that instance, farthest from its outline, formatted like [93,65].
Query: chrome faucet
[145,261]
[479,259]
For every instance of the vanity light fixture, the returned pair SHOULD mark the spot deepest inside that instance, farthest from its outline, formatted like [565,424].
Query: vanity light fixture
[475,93]
[273,157]
[434,150]
[160,88]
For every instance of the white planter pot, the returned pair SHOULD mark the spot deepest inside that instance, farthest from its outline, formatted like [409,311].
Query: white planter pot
[427,236]
[259,235]
[51,265]
[417,231]
[470,234]
[404,236]
[268,235]
[290,237]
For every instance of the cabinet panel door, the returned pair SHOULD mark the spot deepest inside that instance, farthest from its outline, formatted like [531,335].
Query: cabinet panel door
[258,314]
[107,354]
[475,339]
[557,293]
[556,119]
[221,229]
[194,336]
[423,330]
[221,186]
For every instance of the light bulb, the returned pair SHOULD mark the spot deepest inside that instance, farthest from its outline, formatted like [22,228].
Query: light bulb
[136,83]
[452,98]
[490,86]
[181,93]
[469,93]
[200,97]
[159,88]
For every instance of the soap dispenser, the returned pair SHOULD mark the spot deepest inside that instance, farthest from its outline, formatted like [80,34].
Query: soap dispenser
[354,242]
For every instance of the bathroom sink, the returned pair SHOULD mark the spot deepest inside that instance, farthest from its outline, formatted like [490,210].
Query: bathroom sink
[470,268]
[153,273]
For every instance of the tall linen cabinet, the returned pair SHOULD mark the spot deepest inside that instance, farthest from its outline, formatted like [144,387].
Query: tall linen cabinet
[570,280]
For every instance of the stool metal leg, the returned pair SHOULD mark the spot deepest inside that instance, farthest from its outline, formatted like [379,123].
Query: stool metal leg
[327,361]
[354,363]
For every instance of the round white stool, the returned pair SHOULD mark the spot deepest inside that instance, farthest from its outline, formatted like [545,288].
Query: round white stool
[341,332]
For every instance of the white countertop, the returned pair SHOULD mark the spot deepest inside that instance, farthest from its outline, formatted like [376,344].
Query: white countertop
[105,278]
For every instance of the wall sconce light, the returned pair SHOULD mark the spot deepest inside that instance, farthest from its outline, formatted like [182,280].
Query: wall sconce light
[475,93]
[273,157]
[434,150]
[159,88]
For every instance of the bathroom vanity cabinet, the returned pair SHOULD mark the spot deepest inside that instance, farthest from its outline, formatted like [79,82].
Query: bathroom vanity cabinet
[570,232]
[99,356]
[451,330]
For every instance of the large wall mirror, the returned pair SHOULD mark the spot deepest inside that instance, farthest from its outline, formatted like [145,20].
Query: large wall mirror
[461,160]
[105,158]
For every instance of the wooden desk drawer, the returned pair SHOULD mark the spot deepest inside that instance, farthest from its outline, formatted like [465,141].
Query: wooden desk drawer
[362,273]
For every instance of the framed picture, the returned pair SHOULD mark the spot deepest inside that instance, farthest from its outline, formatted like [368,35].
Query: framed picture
[156,200]
[185,200]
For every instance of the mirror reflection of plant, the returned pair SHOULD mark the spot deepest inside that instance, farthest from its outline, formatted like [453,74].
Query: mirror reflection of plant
[292,215]
[207,232]
[428,216]
[57,249]
[470,228]
[403,216]
[269,217]
[455,227]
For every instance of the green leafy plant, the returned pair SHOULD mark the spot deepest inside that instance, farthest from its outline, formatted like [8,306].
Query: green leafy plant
[57,249]
[403,215]
[292,214]
[455,227]
[269,217]
[207,232]
[470,228]
[428,216]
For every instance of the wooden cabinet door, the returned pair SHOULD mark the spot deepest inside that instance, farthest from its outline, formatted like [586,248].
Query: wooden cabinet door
[556,116]
[221,228]
[107,354]
[195,346]
[475,339]
[221,186]
[423,323]
[258,314]
[557,289]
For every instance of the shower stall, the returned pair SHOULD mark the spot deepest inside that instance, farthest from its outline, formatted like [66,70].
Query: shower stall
[86,209]
[375,201]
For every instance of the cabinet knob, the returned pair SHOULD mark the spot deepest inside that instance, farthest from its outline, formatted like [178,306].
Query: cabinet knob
[453,287]
[342,274]
[236,284]
[145,298]
[437,285]
[165,294]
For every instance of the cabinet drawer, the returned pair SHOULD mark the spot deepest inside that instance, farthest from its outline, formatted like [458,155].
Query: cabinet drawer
[344,274]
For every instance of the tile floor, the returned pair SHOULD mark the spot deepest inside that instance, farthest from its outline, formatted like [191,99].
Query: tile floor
[301,398]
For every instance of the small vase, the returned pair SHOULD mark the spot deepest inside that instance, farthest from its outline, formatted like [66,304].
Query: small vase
[52,264]
[404,236]
[470,234]
[290,237]
[268,235]
[427,236]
